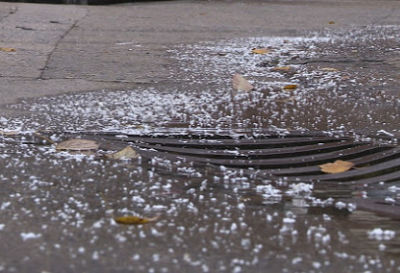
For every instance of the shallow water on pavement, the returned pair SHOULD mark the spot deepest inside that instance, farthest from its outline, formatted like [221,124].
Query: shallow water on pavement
[57,209]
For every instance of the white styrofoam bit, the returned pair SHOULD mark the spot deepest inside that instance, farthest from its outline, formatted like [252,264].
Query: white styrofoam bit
[381,234]
[30,235]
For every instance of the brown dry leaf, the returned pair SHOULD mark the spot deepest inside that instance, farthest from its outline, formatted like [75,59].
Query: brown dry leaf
[241,84]
[134,220]
[330,69]
[7,49]
[290,86]
[9,133]
[125,153]
[260,51]
[281,68]
[338,166]
[77,144]
[331,22]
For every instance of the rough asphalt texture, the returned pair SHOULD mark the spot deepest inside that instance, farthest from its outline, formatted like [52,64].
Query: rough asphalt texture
[60,219]
[75,48]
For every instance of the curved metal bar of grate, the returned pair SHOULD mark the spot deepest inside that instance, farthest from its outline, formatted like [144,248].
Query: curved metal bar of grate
[289,157]
[294,156]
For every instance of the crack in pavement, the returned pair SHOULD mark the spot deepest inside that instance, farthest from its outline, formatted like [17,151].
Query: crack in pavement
[41,76]
[12,11]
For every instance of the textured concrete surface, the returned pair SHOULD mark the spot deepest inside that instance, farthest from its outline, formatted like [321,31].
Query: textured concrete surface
[167,64]
[75,48]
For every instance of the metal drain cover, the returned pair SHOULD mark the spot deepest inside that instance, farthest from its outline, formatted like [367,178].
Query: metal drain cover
[296,156]
[264,155]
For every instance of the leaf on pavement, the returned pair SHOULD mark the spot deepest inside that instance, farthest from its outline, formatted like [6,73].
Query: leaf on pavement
[134,220]
[260,51]
[9,133]
[77,144]
[7,49]
[338,166]
[330,69]
[125,153]
[282,68]
[241,84]
[290,86]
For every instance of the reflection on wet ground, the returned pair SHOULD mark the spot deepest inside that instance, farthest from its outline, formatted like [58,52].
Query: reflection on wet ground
[209,221]
[57,209]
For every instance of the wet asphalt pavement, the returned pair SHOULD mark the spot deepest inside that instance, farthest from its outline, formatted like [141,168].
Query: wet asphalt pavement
[57,208]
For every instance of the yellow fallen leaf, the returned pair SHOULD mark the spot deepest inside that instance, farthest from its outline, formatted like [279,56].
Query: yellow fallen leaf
[7,49]
[125,153]
[134,220]
[290,86]
[281,68]
[241,84]
[260,51]
[77,144]
[330,69]
[338,166]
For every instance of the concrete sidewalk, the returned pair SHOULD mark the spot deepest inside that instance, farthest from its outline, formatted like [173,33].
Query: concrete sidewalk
[80,48]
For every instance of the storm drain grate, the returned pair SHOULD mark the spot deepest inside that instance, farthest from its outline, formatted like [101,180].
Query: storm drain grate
[294,156]
[283,158]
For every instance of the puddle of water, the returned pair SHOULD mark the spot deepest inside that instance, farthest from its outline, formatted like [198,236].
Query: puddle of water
[61,219]
[219,221]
